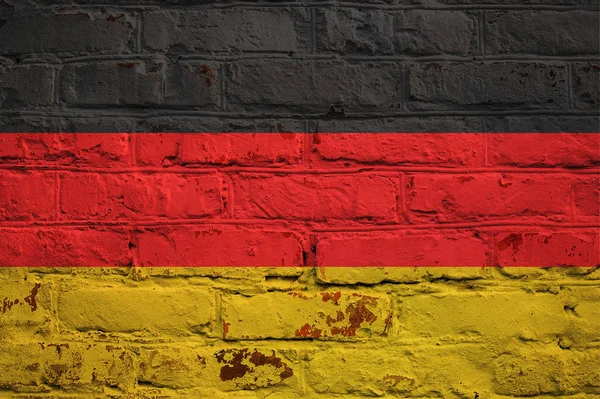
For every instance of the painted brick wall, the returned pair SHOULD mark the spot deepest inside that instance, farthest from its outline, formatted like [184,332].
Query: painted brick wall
[308,330]
[309,202]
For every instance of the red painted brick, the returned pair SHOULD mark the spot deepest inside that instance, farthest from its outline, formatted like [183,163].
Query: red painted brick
[139,196]
[447,149]
[218,246]
[455,198]
[27,195]
[90,149]
[401,248]
[249,149]
[586,194]
[548,248]
[64,246]
[244,149]
[544,149]
[157,148]
[364,197]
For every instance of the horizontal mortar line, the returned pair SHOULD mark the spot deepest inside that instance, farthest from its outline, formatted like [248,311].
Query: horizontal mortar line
[294,225]
[118,111]
[200,170]
[301,56]
[456,226]
[329,4]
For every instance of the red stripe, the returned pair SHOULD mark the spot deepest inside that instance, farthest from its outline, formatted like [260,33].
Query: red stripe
[293,199]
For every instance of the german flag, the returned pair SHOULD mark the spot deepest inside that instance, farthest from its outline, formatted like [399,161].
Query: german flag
[313,265]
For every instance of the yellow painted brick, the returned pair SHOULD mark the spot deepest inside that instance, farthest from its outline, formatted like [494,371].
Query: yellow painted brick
[335,314]
[553,371]
[40,365]
[222,369]
[453,371]
[120,308]
[569,314]
[25,307]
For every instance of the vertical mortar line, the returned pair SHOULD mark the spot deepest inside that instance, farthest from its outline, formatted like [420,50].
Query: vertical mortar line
[219,321]
[572,202]
[135,255]
[405,86]
[302,372]
[570,84]
[133,148]
[222,86]
[228,180]
[54,292]
[481,33]
[56,86]
[401,198]
[492,259]
[306,150]
[140,22]
[57,194]
[486,143]
[313,30]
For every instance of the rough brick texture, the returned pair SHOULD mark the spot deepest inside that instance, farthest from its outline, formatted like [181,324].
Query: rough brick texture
[220,264]
[130,203]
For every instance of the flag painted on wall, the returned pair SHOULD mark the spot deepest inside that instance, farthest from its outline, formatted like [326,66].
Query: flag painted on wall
[299,199]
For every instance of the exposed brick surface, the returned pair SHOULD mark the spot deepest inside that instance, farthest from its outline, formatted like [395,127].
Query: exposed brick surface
[491,202]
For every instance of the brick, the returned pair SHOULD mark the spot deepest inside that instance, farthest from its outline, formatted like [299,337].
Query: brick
[461,370]
[243,149]
[363,197]
[64,247]
[157,149]
[226,369]
[193,84]
[26,86]
[457,316]
[401,149]
[399,370]
[118,308]
[27,195]
[25,308]
[586,194]
[113,83]
[173,367]
[411,32]
[69,365]
[586,86]
[313,86]
[541,32]
[227,246]
[544,150]
[548,248]
[490,85]
[97,149]
[136,196]
[68,32]
[336,315]
[274,29]
[456,198]
[537,372]
[401,248]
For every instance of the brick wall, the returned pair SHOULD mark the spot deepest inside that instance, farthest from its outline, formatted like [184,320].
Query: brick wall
[401,65]
[308,330]
[311,203]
